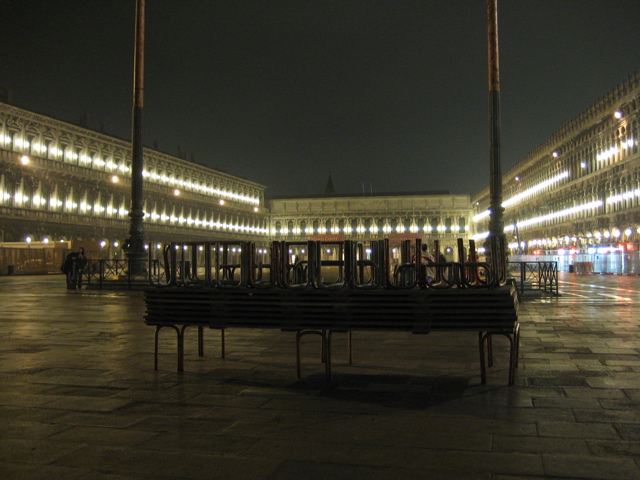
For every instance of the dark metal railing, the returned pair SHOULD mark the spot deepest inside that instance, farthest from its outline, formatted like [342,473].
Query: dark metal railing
[102,272]
[540,275]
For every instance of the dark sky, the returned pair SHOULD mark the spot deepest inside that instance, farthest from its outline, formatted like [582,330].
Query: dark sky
[391,94]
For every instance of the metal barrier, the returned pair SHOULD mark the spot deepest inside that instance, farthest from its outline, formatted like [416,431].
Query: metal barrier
[120,272]
[541,275]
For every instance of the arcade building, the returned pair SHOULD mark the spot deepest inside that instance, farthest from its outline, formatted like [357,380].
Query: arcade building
[577,194]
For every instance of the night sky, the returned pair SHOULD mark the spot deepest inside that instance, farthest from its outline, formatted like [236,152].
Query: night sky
[386,95]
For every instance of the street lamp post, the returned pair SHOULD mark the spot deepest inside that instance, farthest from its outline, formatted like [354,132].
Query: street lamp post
[134,245]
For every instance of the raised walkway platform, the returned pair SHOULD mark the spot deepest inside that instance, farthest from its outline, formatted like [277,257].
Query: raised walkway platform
[79,397]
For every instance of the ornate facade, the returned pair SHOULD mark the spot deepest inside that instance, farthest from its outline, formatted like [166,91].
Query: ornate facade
[430,216]
[62,182]
[580,189]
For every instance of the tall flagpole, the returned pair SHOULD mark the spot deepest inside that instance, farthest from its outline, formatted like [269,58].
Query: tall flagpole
[496,222]
[134,245]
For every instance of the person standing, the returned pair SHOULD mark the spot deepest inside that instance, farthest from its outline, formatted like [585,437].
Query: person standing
[425,260]
[73,267]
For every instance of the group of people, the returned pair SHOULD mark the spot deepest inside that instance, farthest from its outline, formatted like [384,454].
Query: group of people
[73,268]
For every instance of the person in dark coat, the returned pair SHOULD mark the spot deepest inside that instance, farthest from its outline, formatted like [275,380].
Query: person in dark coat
[73,267]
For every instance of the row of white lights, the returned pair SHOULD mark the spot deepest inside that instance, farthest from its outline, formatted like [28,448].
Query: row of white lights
[605,155]
[158,246]
[525,194]
[568,211]
[615,233]
[547,217]
[564,251]
[19,198]
[200,188]
[45,240]
[155,218]
[261,251]
[125,169]
[103,243]
[98,209]
[375,229]
[69,155]
[623,196]
[177,193]
[535,189]
[206,223]
[561,213]
[613,151]
[597,203]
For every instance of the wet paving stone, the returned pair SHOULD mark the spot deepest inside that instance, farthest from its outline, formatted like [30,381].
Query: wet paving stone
[79,397]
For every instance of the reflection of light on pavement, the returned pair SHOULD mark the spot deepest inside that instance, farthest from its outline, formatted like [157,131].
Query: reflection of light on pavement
[582,285]
[595,292]
[601,294]
[575,298]
[616,297]
[576,295]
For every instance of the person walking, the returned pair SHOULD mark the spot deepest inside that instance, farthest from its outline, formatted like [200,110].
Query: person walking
[73,267]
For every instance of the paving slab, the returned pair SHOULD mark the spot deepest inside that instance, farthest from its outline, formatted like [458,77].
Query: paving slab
[79,397]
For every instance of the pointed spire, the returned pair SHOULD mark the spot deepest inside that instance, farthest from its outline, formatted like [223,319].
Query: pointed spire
[329,188]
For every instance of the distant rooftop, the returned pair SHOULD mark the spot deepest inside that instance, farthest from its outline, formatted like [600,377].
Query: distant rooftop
[354,195]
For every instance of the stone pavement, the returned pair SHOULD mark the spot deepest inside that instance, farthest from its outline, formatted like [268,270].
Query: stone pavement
[79,397]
